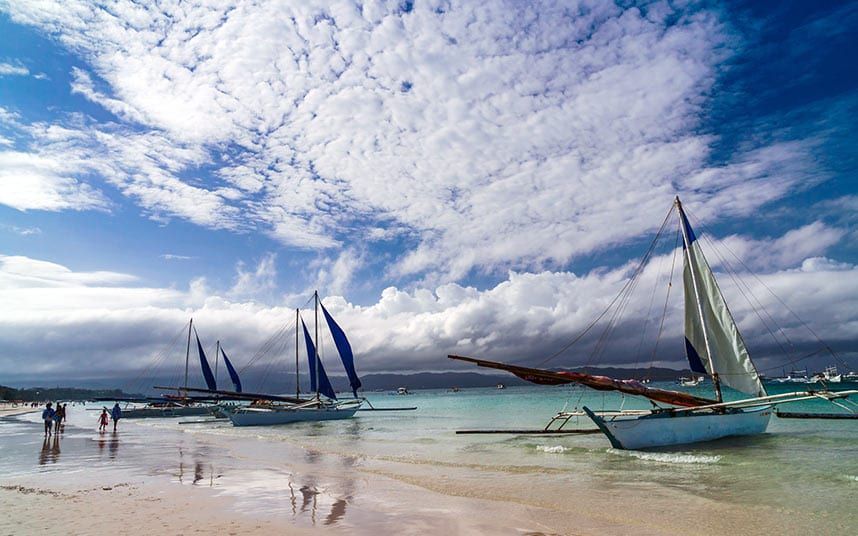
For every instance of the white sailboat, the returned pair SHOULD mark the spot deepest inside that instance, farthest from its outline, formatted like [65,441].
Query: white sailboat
[714,347]
[180,404]
[324,406]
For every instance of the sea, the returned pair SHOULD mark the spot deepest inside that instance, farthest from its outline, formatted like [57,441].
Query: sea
[801,474]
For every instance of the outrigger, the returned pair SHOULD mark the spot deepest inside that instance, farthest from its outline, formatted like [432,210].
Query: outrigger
[714,347]
[270,409]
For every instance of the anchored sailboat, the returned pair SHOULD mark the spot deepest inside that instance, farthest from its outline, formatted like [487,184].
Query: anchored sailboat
[714,347]
[324,405]
[180,404]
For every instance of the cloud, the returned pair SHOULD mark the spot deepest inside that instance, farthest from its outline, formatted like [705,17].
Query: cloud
[174,257]
[34,182]
[487,136]
[789,250]
[18,272]
[23,231]
[93,322]
[7,69]
[257,282]
[337,276]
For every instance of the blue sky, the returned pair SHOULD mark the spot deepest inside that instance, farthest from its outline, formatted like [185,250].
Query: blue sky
[448,168]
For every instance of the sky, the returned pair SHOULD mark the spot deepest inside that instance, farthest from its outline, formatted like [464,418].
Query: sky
[477,178]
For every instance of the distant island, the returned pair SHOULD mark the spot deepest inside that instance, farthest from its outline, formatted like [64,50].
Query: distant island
[371,382]
[37,394]
[443,380]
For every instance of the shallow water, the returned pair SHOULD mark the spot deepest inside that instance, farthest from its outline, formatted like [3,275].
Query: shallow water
[804,467]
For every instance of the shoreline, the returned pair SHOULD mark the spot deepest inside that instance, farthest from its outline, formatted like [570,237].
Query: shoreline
[196,480]
[9,411]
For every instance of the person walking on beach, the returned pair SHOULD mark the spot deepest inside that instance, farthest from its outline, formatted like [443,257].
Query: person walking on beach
[116,414]
[102,420]
[65,412]
[58,418]
[48,417]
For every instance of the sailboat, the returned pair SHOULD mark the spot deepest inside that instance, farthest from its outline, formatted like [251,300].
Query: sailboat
[180,404]
[714,347]
[324,405]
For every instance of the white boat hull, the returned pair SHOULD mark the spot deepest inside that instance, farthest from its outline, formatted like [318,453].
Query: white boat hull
[269,417]
[666,429]
[180,411]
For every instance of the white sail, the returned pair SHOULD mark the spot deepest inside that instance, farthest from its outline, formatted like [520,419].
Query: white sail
[721,346]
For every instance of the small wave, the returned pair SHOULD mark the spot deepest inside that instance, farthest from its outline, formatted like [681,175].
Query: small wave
[853,478]
[666,457]
[557,449]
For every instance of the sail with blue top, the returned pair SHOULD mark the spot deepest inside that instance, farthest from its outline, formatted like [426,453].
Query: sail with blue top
[204,364]
[345,350]
[713,343]
[324,384]
[233,375]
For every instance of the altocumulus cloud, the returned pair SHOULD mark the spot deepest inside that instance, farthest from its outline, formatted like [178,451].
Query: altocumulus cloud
[482,134]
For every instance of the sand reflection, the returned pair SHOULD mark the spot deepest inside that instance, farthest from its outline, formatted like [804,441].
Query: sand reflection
[50,452]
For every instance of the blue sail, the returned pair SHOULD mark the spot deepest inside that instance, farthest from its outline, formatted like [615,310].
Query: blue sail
[325,387]
[204,364]
[345,350]
[233,375]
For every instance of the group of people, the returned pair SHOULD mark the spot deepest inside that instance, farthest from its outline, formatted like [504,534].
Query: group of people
[115,414]
[55,418]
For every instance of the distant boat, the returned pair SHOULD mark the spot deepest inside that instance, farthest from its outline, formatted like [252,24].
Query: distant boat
[324,406]
[501,386]
[402,391]
[713,346]
[795,376]
[691,382]
[829,375]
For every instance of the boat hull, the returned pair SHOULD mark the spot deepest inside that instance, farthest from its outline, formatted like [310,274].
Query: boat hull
[666,429]
[145,413]
[263,417]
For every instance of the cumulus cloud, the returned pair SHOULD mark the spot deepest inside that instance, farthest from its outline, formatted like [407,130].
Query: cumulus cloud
[488,136]
[107,321]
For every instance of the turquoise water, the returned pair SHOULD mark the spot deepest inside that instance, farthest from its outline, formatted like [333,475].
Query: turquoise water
[805,470]
[803,465]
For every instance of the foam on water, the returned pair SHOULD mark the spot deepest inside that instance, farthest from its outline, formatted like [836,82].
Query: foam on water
[557,449]
[666,457]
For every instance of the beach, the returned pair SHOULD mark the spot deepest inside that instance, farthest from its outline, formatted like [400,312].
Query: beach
[410,474]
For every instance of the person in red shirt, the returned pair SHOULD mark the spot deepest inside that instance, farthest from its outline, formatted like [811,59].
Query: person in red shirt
[103,419]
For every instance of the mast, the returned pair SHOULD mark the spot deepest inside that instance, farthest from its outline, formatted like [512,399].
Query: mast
[297,378]
[188,351]
[316,342]
[715,381]
[217,356]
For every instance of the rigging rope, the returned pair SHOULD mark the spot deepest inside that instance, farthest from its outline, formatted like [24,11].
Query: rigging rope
[666,300]
[734,275]
[628,283]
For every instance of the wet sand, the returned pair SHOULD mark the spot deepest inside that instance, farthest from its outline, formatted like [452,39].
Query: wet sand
[85,482]
[152,478]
